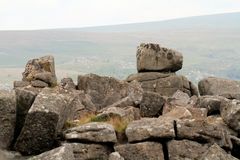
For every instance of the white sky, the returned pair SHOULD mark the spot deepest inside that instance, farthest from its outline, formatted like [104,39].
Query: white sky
[40,14]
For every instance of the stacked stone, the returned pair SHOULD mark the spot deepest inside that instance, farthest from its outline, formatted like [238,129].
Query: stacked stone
[156,67]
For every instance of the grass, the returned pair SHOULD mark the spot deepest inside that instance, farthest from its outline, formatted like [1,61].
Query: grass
[118,123]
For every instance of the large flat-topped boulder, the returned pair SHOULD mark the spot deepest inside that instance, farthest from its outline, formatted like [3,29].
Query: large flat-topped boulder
[164,84]
[220,86]
[42,69]
[105,91]
[153,57]
[7,118]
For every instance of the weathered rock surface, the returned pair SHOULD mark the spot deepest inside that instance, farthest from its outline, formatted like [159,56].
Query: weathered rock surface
[10,155]
[151,104]
[90,151]
[115,156]
[185,150]
[219,86]
[92,132]
[152,57]
[164,84]
[44,121]
[150,128]
[105,91]
[217,153]
[230,112]
[61,153]
[17,84]
[39,84]
[7,118]
[143,150]
[42,69]
[204,132]
[67,83]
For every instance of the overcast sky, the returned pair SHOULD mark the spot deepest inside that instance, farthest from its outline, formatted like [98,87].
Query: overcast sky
[40,14]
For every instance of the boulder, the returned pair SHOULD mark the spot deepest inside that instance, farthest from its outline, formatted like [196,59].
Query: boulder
[151,104]
[42,68]
[105,91]
[230,112]
[150,128]
[204,132]
[211,103]
[217,153]
[17,84]
[185,149]
[7,118]
[10,155]
[164,84]
[43,122]
[152,57]
[61,153]
[115,156]
[180,98]
[92,132]
[83,151]
[39,84]
[67,83]
[219,86]
[24,100]
[143,150]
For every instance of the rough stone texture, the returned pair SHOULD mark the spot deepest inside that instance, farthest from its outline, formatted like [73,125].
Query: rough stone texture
[204,132]
[230,112]
[211,103]
[44,121]
[187,113]
[164,84]
[39,83]
[7,118]
[42,68]
[151,104]
[127,113]
[185,150]
[217,153]
[67,83]
[92,132]
[17,84]
[152,57]
[150,128]
[10,155]
[115,156]
[180,98]
[105,91]
[91,151]
[24,100]
[143,150]
[61,153]
[219,86]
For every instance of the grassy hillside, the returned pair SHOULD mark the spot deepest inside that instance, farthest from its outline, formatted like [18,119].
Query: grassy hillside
[210,45]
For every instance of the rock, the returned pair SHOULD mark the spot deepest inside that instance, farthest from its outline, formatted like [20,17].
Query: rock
[219,86]
[127,113]
[43,123]
[42,68]
[163,84]
[230,112]
[180,98]
[185,150]
[152,57]
[61,153]
[115,156]
[92,132]
[211,103]
[24,100]
[10,155]
[151,104]
[203,131]
[17,84]
[217,153]
[39,83]
[143,150]
[150,128]
[187,113]
[90,151]
[105,91]
[67,83]
[7,118]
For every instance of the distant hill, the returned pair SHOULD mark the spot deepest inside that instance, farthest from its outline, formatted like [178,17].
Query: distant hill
[210,45]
